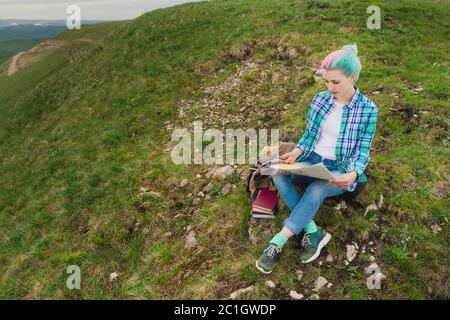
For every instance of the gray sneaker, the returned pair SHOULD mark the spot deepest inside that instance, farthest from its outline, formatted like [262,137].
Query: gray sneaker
[313,243]
[268,260]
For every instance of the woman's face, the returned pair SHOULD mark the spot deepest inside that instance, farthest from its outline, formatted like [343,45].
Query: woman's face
[338,83]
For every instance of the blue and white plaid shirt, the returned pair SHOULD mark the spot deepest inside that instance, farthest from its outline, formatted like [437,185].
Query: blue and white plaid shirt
[359,121]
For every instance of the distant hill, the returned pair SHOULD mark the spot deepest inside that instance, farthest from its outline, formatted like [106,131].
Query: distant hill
[15,22]
[29,31]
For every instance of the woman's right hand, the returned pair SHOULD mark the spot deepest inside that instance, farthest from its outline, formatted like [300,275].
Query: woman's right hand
[290,157]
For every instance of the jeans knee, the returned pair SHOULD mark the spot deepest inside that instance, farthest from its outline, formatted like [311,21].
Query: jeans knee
[315,191]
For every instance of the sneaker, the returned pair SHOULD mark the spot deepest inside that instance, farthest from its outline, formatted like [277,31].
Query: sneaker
[268,260]
[313,243]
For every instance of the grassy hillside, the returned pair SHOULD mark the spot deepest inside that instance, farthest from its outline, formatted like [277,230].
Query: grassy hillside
[78,141]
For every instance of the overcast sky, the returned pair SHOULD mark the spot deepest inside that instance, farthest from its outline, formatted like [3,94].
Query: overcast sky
[90,9]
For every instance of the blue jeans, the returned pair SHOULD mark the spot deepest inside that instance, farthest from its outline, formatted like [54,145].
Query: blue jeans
[303,209]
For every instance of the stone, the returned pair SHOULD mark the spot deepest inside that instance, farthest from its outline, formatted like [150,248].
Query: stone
[226,189]
[191,241]
[295,295]
[168,234]
[319,283]
[329,258]
[351,252]
[113,276]
[208,187]
[184,183]
[223,172]
[237,293]
[372,206]
[372,258]
[299,275]
[270,284]
[380,201]
[436,228]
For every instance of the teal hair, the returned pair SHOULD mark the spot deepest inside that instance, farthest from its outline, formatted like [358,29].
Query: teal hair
[345,59]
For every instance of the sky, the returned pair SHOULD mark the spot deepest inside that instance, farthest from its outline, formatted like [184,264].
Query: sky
[90,9]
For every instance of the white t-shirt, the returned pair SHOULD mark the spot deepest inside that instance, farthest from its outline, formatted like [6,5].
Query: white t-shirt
[329,130]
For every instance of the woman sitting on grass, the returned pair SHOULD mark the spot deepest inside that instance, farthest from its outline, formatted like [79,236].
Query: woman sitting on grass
[341,124]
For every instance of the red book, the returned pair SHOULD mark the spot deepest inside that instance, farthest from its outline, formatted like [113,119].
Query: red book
[266,200]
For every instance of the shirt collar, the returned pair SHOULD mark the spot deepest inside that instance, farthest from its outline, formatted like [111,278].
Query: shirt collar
[353,100]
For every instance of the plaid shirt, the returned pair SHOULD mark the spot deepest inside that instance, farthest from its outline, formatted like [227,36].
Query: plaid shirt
[359,120]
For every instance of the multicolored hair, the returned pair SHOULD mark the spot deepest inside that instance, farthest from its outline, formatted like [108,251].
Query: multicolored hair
[345,59]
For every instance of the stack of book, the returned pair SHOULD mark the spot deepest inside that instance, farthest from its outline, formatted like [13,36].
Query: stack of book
[264,204]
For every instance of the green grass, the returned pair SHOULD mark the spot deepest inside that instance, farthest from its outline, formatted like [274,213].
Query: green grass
[77,141]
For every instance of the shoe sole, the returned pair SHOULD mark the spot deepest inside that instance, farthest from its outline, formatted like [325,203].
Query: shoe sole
[262,270]
[322,244]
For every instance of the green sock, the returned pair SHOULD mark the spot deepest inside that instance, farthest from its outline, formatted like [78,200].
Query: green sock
[311,227]
[279,239]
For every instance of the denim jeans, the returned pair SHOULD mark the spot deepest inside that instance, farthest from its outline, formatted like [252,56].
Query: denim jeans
[303,209]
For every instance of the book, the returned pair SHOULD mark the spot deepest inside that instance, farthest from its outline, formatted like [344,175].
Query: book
[318,170]
[264,204]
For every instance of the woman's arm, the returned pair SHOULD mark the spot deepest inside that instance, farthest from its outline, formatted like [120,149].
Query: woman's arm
[360,158]
[309,123]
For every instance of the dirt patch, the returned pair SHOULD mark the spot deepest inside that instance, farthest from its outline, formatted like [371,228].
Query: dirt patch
[26,58]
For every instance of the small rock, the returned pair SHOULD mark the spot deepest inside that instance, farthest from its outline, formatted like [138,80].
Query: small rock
[329,258]
[329,285]
[351,252]
[320,282]
[237,293]
[372,258]
[299,275]
[270,284]
[370,243]
[168,234]
[223,172]
[346,263]
[201,194]
[113,276]
[341,206]
[436,228]
[198,176]
[210,172]
[320,263]
[372,206]
[184,183]
[295,295]
[226,189]
[143,189]
[208,187]
[191,241]
[380,201]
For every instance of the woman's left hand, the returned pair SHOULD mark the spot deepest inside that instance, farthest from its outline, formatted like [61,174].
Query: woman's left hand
[345,180]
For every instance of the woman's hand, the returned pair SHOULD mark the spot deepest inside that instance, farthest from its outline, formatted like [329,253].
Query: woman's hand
[290,157]
[345,180]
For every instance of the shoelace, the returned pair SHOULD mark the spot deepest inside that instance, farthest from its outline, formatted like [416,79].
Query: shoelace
[306,241]
[271,251]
